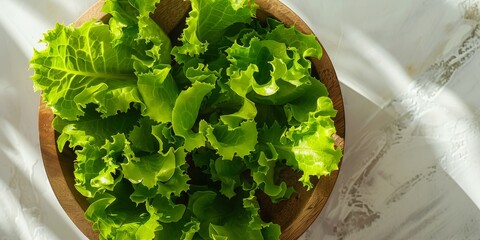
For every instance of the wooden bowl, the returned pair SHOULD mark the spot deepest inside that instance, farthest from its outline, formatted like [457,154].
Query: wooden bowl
[294,215]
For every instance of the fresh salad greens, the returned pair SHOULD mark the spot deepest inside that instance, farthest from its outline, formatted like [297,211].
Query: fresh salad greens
[174,142]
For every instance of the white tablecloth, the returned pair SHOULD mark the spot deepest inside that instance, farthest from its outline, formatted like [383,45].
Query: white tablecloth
[410,74]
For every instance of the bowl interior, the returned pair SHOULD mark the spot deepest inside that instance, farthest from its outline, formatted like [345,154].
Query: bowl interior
[294,215]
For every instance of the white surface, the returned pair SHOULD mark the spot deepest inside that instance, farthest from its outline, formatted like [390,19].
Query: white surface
[409,72]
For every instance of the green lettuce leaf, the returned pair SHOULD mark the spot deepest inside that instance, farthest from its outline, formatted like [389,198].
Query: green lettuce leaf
[239,141]
[306,44]
[178,183]
[114,215]
[142,194]
[166,138]
[263,174]
[269,114]
[314,149]
[201,73]
[159,92]
[207,23]
[150,32]
[92,128]
[273,135]
[141,138]
[184,229]
[124,13]
[148,170]
[80,66]
[264,165]
[272,76]
[240,83]
[298,110]
[94,171]
[165,172]
[168,211]
[270,231]
[308,147]
[100,143]
[228,172]
[223,218]
[185,113]
[131,23]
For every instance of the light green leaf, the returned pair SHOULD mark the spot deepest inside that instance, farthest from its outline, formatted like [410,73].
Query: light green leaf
[303,43]
[207,22]
[267,72]
[239,141]
[178,183]
[166,139]
[240,83]
[80,66]
[128,12]
[247,112]
[308,147]
[144,7]
[159,92]
[148,170]
[148,229]
[93,171]
[100,143]
[97,214]
[201,73]
[314,148]
[214,16]
[149,31]
[122,11]
[185,113]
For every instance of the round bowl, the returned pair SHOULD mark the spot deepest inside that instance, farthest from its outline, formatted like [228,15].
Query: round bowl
[294,215]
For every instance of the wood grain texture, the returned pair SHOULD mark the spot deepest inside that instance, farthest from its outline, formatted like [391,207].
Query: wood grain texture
[59,169]
[294,215]
[94,12]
